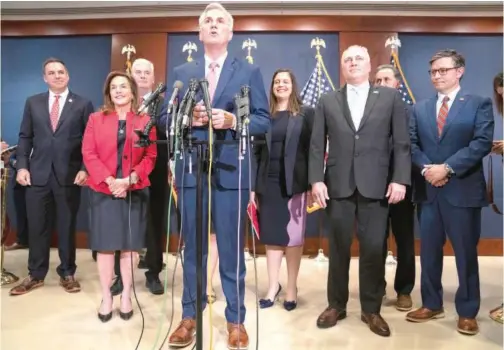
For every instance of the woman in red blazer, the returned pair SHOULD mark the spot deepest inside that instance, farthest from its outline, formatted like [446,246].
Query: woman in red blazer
[119,180]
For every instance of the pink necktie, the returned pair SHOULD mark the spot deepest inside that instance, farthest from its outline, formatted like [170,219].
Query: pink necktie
[212,79]
[55,112]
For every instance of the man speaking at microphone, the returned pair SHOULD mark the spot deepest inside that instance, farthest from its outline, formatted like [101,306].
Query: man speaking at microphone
[226,75]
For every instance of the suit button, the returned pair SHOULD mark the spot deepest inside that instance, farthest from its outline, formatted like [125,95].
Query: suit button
[356,137]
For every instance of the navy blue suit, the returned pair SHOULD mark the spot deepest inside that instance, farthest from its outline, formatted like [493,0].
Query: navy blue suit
[455,208]
[19,204]
[226,181]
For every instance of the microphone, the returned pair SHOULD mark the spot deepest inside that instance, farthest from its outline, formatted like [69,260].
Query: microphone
[191,99]
[159,90]
[206,97]
[177,86]
[246,113]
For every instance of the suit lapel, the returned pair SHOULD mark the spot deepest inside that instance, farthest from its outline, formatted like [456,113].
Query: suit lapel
[226,74]
[293,130]
[67,107]
[432,117]
[45,111]
[371,99]
[455,108]
[341,97]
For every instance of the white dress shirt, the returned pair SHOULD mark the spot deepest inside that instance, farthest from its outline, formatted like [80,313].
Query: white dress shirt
[357,98]
[218,70]
[61,100]
[441,96]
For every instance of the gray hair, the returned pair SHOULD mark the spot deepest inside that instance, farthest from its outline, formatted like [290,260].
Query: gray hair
[142,61]
[217,6]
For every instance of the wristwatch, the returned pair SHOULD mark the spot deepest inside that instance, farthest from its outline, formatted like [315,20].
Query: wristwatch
[449,169]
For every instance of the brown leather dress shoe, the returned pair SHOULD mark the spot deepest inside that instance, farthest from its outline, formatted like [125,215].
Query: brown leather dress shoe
[467,326]
[376,324]
[237,337]
[423,315]
[329,317]
[26,286]
[184,334]
[404,302]
[70,284]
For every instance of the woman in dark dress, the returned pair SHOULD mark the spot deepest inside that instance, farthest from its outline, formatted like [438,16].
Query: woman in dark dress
[118,179]
[281,185]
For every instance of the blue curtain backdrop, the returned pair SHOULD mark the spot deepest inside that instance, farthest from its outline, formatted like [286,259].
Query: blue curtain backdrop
[483,55]
[88,61]
[270,51]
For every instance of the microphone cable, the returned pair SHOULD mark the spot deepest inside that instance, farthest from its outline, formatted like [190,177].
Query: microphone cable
[209,228]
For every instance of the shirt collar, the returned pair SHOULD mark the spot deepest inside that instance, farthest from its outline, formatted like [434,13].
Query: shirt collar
[364,86]
[451,95]
[63,95]
[219,61]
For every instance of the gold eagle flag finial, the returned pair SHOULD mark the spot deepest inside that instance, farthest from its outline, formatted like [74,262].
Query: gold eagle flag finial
[128,50]
[249,44]
[189,47]
[394,43]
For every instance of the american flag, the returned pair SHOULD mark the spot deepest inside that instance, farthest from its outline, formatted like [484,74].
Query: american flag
[404,89]
[313,89]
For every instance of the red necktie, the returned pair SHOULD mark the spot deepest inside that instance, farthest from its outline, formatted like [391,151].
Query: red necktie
[55,112]
[443,113]
[212,79]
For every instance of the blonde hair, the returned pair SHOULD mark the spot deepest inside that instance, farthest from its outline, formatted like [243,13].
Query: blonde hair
[217,6]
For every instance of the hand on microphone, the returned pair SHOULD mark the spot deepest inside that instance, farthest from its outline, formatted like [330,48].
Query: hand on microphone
[222,119]
[200,117]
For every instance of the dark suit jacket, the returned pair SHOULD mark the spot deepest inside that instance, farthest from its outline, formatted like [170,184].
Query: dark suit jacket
[359,159]
[99,150]
[60,149]
[235,73]
[161,167]
[466,139]
[297,144]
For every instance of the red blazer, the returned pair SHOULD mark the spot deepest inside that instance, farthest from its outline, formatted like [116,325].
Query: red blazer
[99,150]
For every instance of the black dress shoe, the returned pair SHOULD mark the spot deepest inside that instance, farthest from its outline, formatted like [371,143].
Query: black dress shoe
[155,286]
[104,318]
[125,315]
[117,287]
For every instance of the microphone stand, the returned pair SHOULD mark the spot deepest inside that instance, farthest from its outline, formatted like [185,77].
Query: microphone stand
[189,143]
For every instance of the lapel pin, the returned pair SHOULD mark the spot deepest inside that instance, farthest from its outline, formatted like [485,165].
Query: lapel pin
[375,91]
[70,100]
[461,99]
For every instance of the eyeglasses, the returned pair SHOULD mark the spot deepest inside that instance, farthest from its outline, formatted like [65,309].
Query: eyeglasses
[441,71]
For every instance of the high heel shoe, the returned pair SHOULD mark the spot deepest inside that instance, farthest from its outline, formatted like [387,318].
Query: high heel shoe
[104,318]
[290,305]
[266,303]
[125,315]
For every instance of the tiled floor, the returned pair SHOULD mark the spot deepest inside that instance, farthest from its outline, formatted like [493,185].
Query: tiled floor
[51,319]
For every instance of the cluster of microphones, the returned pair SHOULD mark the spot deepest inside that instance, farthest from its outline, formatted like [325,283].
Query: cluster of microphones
[180,127]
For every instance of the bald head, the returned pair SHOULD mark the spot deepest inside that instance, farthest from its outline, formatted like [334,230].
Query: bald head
[355,65]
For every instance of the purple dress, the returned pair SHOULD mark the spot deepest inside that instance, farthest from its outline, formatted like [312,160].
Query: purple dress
[282,218]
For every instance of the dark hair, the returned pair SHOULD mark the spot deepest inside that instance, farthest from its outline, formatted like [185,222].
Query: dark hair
[397,74]
[458,59]
[108,105]
[498,97]
[52,60]
[295,103]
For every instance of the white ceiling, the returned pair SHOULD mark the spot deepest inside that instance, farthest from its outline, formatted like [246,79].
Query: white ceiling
[31,10]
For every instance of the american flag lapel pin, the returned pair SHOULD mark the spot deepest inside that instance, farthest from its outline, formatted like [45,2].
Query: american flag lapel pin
[70,100]
[376,92]
[461,99]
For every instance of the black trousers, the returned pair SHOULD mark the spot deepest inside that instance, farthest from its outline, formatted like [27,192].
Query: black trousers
[371,218]
[156,227]
[21,215]
[402,220]
[43,202]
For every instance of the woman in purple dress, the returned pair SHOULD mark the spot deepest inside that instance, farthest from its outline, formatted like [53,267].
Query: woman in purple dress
[281,186]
